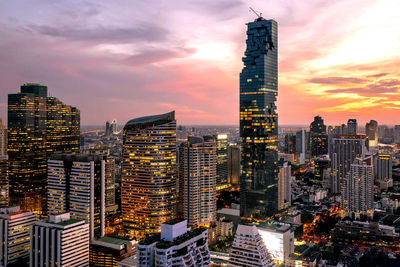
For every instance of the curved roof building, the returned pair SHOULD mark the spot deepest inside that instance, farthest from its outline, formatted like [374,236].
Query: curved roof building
[148,181]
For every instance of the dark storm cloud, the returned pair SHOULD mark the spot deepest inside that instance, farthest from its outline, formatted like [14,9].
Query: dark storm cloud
[336,80]
[142,32]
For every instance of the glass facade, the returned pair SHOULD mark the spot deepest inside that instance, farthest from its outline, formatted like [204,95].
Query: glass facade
[259,121]
[148,179]
[38,126]
[319,138]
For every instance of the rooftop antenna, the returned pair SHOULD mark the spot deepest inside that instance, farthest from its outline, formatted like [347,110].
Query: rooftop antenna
[252,10]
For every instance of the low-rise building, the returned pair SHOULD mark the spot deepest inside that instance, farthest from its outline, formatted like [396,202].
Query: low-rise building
[108,251]
[176,246]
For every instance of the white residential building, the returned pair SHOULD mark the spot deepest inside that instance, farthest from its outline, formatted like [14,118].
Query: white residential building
[198,181]
[177,246]
[60,241]
[248,249]
[358,188]
[15,230]
[77,184]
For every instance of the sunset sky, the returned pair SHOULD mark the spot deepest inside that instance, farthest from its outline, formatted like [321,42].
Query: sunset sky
[128,58]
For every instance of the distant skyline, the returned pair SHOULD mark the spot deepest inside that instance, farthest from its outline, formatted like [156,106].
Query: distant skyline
[125,59]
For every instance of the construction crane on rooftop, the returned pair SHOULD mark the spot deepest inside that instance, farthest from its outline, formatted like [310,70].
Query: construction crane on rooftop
[258,15]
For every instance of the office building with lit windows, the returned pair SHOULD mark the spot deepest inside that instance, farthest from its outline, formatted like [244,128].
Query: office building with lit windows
[3,139]
[371,131]
[108,251]
[198,181]
[15,230]
[259,121]
[221,141]
[148,178]
[60,241]
[38,126]
[319,138]
[233,164]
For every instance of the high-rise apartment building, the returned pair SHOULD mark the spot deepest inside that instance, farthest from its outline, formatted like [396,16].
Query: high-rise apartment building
[358,188]
[3,139]
[38,126]
[198,188]
[77,183]
[15,230]
[259,121]
[343,152]
[233,165]
[371,131]
[4,184]
[148,179]
[319,138]
[352,127]
[284,185]
[248,249]
[60,241]
[176,246]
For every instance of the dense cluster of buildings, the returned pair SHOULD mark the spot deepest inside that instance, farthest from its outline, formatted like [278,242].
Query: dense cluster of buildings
[151,193]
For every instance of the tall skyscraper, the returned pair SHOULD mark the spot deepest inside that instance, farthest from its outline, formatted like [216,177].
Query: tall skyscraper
[38,126]
[114,126]
[199,160]
[107,131]
[60,241]
[352,127]
[371,130]
[15,230]
[4,184]
[345,149]
[77,184]
[302,146]
[148,180]
[248,249]
[284,185]
[319,138]
[259,121]
[233,165]
[3,139]
[358,188]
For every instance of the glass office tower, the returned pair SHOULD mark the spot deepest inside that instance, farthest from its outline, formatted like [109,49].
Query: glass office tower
[259,121]
[38,126]
[148,179]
